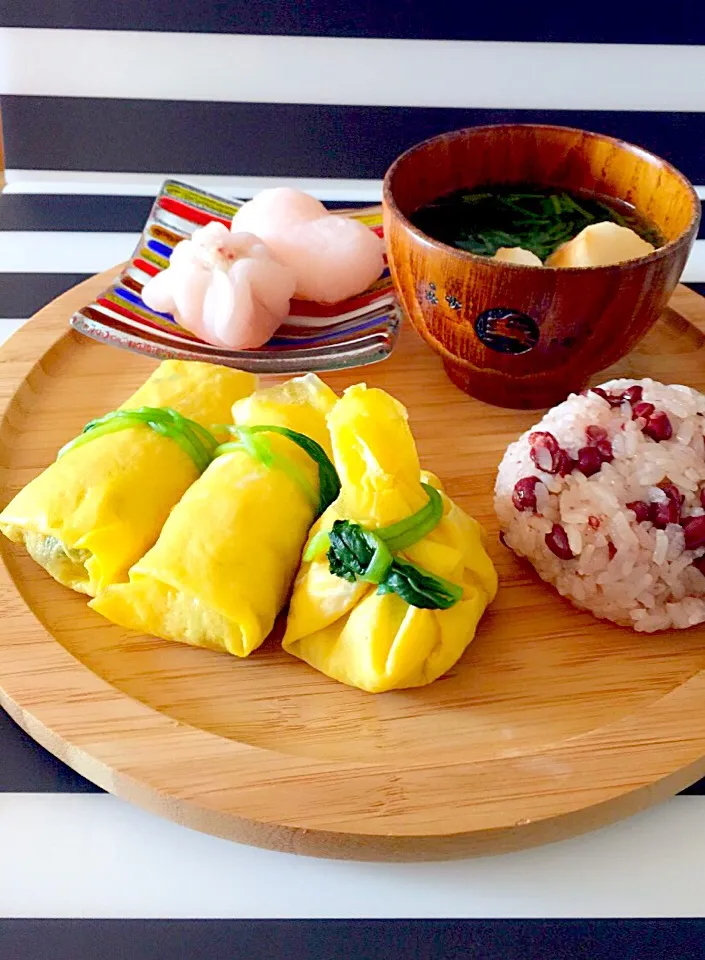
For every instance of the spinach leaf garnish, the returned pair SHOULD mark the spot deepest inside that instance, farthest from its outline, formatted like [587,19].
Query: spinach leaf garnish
[419,587]
[355,553]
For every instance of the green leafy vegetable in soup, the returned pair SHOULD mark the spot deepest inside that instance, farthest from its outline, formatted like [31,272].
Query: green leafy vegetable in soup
[539,219]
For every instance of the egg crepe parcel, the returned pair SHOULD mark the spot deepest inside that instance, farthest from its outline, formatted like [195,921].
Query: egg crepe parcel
[222,568]
[349,630]
[97,509]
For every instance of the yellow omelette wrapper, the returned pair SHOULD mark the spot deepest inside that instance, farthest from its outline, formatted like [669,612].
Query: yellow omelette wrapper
[348,631]
[97,509]
[223,566]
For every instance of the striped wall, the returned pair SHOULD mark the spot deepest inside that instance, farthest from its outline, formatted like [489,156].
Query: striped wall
[323,95]
[100,102]
[624,21]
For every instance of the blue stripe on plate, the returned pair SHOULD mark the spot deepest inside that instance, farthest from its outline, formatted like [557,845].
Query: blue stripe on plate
[160,248]
[353,939]
[683,21]
[124,294]
[287,140]
[73,212]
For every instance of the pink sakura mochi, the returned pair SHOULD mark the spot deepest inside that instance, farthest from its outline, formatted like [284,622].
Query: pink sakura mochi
[333,257]
[227,288]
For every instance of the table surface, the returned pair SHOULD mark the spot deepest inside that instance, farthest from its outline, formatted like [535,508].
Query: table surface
[81,867]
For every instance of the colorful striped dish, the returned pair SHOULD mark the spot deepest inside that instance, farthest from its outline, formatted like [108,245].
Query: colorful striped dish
[315,336]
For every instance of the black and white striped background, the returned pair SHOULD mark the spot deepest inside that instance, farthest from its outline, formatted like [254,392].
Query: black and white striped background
[99,103]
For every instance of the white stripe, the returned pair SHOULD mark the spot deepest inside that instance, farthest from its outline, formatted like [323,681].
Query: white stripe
[57,252]
[149,184]
[95,856]
[8,327]
[315,70]
[695,267]
[63,252]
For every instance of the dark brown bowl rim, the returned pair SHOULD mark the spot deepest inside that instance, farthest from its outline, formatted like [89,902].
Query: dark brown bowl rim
[658,254]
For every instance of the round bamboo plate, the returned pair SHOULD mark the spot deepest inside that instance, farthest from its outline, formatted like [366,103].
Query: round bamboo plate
[552,724]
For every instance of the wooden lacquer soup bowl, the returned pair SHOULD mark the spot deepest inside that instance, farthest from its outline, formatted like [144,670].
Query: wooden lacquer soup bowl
[520,336]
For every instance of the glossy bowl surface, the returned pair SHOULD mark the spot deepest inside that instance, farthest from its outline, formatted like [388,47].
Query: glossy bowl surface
[519,336]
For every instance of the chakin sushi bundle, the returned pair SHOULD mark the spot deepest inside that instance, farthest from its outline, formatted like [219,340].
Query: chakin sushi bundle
[188,512]
[100,506]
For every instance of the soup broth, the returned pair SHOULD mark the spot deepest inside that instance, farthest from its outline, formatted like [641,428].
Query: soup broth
[539,219]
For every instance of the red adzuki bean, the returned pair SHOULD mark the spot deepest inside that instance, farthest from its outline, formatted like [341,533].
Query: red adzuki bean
[604,448]
[661,514]
[566,464]
[595,434]
[642,410]
[589,460]
[524,493]
[605,396]
[631,394]
[694,530]
[597,437]
[673,493]
[557,542]
[658,427]
[547,454]
[640,508]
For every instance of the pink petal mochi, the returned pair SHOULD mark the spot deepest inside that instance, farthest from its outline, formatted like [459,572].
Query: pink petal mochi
[333,257]
[227,288]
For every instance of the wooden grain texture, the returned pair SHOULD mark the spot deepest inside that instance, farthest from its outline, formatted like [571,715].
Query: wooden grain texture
[552,723]
[588,317]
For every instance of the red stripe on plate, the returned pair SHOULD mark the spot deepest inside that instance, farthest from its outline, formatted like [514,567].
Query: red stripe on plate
[146,266]
[192,214]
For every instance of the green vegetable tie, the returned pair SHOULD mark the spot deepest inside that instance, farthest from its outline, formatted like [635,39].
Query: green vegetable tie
[193,439]
[355,553]
[420,588]
[259,448]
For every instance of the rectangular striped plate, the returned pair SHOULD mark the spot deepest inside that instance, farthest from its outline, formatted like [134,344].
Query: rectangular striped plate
[315,337]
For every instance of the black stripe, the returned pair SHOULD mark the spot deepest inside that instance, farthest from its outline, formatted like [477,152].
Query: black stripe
[73,212]
[83,213]
[96,214]
[698,287]
[353,939]
[28,768]
[22,294]
[696,790]
[553,20]
[296,140]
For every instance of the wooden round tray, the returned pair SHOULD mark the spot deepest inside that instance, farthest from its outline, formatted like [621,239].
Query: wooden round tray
[553,723]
